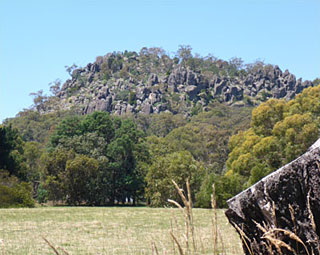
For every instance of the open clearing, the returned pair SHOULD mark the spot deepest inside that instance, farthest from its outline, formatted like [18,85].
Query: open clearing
[106,230]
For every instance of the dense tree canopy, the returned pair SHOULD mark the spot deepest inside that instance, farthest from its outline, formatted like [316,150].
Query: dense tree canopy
[14,189]
[100,156]
[11,152]
[280,131]
[178,166]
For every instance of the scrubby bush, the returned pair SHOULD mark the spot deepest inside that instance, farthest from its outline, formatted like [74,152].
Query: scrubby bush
[13,193]
[42,194]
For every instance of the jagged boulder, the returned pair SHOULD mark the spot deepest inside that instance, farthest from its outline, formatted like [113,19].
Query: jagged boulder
[153,79]
[178,76]
[146,108]
[153,98]
[142,93]
[192,91]
[218,87]
[103,92]
[281,213]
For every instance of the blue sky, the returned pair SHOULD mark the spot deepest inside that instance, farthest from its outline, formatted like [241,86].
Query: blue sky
[39,38]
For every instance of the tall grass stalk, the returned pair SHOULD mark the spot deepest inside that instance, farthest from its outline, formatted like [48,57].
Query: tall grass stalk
[194,242]
[2,246]
[271,233]
[53,248]
[214,219]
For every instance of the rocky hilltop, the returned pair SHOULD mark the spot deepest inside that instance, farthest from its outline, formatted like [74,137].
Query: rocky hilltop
[152,82]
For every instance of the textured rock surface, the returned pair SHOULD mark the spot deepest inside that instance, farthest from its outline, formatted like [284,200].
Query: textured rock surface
[109,84]
[268,202]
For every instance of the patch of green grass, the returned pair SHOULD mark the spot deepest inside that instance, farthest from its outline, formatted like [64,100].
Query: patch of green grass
[104,230]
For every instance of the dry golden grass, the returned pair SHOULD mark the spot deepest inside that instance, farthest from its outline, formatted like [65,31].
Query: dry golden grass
[106,230]
[192,240]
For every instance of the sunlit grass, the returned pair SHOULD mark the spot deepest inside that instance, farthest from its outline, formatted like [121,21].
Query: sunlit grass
[104,230]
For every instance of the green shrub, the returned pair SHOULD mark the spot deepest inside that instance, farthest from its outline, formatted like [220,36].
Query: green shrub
[42,194]
[13,193]
[132,98]
[123,95]
[203,197]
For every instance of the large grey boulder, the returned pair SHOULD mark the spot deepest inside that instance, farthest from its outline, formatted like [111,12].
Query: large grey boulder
[152,80]
[282,206]
[192,91]
[219,86]
[142,93]
[178,76]
[153,98]
[146,108]
[192,78]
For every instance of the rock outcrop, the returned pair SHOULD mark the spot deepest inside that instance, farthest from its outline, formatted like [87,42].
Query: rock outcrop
[284,205]
[122,84]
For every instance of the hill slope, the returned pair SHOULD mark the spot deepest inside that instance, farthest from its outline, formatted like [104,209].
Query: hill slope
[152,82]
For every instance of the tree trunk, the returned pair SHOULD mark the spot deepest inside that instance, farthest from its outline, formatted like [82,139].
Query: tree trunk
[281,213]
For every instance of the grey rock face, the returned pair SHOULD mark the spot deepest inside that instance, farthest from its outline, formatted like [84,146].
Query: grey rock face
[142,93]
[153,98]
[219,86]
[279,93]
[91,107]
[147,109]
[153,79]
[92,90]
[129,109]
[178,76]
[101,105]
[103,92]
[268,202]
[192,78]
[192,91]
[160,108]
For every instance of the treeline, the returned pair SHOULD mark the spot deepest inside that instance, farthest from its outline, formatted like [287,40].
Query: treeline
[99,159]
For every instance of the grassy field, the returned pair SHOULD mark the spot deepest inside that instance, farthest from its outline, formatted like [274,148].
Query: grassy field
[106,230]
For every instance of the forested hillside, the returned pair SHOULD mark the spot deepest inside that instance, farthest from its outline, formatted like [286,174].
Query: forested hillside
[121,128]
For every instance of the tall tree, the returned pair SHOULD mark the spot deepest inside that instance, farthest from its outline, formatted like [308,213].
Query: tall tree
[116,144]
[11,152]
[178,166]
[80,179]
